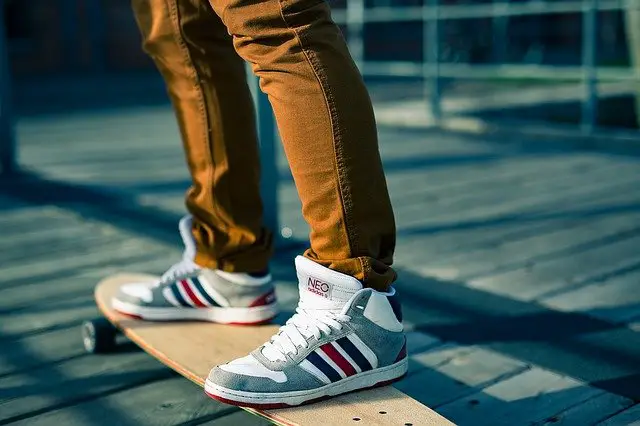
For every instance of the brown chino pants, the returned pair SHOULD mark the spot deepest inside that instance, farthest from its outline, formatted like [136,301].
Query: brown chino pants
[324,117]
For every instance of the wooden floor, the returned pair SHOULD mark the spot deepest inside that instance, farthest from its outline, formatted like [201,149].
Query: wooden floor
[519,269]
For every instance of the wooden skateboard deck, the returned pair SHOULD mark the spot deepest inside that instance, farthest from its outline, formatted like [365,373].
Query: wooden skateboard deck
[192,348]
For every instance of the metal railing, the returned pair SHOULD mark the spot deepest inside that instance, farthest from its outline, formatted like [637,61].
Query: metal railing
[7,138]
[432,69]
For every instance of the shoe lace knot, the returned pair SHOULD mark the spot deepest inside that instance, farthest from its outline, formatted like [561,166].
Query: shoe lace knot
[304,324]
[181,269]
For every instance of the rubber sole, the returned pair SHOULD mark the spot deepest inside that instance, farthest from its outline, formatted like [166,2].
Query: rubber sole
[267,401]
[232,316]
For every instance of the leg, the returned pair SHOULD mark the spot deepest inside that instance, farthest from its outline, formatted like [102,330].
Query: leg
[207,85]
[343,337]
[326,121]
[222,276]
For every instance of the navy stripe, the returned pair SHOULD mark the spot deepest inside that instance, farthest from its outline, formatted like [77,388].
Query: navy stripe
[178,295]
[355,354]
[395,306]
[203,292]
[323,366]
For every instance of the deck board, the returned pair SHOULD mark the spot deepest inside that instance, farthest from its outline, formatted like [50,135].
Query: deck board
[454,372]
[530,396]
[616,299]
[165,402]
[491,237]
[628,417]
[592,410]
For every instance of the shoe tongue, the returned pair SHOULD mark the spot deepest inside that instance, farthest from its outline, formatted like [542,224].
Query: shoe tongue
[322,287]
[185,227]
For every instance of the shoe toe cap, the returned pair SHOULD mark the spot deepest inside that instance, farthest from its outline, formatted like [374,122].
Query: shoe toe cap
[138,293]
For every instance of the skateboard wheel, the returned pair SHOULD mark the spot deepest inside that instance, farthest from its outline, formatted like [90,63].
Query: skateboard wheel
[98,336]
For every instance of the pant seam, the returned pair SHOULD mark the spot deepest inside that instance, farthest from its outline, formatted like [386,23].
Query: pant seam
[344,195]
[204,115]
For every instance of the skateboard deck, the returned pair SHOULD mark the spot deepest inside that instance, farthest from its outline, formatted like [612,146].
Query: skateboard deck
[192,348]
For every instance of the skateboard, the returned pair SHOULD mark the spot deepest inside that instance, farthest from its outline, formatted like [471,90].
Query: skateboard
[192,348]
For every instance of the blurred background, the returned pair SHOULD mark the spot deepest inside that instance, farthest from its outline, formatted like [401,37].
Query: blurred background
[509,132]
[571,62]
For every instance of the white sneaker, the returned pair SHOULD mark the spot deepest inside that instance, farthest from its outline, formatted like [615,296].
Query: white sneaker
[342,338]
[188,292]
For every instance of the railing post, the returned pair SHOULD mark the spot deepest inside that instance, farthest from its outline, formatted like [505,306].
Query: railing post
[355,30]
[97,34]
[499,34]
[269,174]
[431,56]
[589,65]
[632,20]
[8,160]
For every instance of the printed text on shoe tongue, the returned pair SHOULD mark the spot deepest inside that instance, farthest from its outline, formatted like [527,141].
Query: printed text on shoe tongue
[319,287]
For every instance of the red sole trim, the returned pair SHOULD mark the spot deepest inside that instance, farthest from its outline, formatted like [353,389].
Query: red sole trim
[141,318]
[261,322]
[128,315]
[273,406]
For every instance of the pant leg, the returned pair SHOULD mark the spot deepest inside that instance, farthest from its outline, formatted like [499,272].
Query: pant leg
[206,81]
[326,121]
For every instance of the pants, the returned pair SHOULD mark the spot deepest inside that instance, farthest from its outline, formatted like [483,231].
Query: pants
[323,113]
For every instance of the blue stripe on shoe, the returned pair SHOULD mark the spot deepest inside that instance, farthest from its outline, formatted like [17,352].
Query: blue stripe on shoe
[355,354]
[203,292]
[323,366]
[178,295]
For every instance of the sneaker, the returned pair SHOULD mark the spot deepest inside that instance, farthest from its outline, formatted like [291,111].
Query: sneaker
[189,292]
[342,338]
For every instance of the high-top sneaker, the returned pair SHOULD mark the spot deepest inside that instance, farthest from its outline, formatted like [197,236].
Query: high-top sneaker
[342,338]
[188,291]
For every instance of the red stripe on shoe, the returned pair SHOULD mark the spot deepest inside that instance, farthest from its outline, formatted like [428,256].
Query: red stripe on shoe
[265,299]
[191,294]
[340,361]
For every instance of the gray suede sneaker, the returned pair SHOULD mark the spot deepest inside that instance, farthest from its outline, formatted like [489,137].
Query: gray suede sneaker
[189,292]
[342,338]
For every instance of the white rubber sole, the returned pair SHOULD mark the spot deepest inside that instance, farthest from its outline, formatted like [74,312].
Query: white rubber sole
[367,379]
[218,315]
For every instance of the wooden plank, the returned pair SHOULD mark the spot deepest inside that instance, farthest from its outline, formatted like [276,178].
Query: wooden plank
[238,418]
[549,276]
[84,378]
[170,401]
[454,240]
[112,252]
[530,396]
[523,252]
[61,247]
[449,372]
[617,299]
[573,189]
[75,282]
[32,236]
[43,318]
[418,342]
[35,351]
[628,417]
[451,238]
[590,411]
[24,215]
[516,177]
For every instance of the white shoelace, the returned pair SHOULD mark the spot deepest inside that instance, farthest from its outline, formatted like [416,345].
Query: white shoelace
[180,269]
[303,324]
